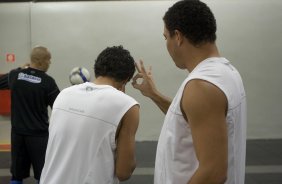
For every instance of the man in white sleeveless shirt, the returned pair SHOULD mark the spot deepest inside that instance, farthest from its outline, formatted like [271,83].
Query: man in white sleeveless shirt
[93,126]
[203,139]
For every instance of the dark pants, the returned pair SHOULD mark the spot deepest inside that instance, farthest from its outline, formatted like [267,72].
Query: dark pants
[27,151]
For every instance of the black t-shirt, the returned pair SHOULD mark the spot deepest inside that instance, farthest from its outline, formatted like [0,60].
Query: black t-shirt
[32,91]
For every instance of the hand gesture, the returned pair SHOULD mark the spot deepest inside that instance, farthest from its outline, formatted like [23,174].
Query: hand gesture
[147,86]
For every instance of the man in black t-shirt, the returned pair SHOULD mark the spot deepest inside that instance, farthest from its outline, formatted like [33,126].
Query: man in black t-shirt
[32,91]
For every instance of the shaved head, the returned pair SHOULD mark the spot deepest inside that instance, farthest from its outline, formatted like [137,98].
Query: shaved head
[40,58]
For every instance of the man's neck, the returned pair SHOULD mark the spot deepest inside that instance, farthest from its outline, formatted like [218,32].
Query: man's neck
[107,81]
[34,66]
[201,53]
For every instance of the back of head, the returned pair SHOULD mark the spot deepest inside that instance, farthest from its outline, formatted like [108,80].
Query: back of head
[115,62]
[193,19]
[40,58]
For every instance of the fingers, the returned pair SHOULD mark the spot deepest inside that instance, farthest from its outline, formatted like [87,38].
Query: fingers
[141,68]
[137,67]
[136,77]
[136,85]
[134,82]
[142,74]
[150,70]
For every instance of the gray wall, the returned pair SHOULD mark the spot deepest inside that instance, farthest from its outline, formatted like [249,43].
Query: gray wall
[249,34]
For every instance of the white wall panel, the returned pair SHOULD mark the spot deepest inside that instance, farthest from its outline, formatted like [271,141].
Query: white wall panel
[249,34]
[14,34]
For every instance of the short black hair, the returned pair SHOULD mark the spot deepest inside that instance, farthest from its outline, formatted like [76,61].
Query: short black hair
[115,62]
[192,18]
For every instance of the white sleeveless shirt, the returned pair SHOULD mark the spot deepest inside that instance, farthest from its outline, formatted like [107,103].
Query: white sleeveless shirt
[176,160]
[83,125]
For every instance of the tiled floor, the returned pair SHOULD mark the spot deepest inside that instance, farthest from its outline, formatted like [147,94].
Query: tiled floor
[264,163]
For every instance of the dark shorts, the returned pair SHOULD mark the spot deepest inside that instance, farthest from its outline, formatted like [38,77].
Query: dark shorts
[27,151]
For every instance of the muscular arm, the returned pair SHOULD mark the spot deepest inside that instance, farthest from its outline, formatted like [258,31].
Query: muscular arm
[148,88]
[205,108]
[125,153]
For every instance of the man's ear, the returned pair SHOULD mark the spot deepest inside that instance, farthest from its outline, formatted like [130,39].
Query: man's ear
[123,84]
[125,81]
[123,88]
[179,37]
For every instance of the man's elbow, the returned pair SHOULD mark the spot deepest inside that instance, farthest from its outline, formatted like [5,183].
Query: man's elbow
[125,173]
[219,177]
[122,176]
[214,174]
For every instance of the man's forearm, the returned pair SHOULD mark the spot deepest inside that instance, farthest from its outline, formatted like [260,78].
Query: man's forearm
[161,101]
